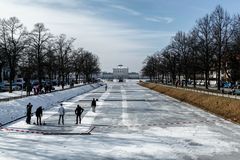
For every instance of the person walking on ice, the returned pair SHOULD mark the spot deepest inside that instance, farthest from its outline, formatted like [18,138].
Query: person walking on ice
[61,112]
[39,115]
[29,113]
[93,105]
[78,111]
[106,87]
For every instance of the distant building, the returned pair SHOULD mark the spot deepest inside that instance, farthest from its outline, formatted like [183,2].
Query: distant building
[120,72]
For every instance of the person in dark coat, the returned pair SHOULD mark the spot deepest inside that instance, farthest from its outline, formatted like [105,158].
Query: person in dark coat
[78,112]
[62,84]
[28,88]
[39,115]
[93,105]
[29,113]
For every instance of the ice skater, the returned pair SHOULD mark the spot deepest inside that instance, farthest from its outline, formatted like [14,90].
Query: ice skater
[29,113]
[39,115]
[61,112]
[78,111]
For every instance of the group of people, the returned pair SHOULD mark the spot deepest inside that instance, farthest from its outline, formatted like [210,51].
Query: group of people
[78,112]
[42,89]
[61,111]
[38,114]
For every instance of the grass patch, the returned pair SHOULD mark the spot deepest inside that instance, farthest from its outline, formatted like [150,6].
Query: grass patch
[227,108]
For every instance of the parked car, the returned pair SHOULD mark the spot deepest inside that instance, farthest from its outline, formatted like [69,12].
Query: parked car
[54,82]
[236,92]
[20,82]
[213,83]
[229,85]
[1,86]
[202,83]
[198,82]
[6,87]
[34,83]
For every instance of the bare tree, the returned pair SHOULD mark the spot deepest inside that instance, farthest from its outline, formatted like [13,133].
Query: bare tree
[222,32]
[150,67]
[171,60]
[90,65]
[26,65]
[39,38]
[213,44]
[181,48]
[205,48]
[77,63]
[160,67]
[13,39]
[3,61]
[63,48]
[195,65]
[232,57]
[50,61]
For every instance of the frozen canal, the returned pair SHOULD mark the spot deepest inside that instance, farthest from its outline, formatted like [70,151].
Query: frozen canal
[131,122]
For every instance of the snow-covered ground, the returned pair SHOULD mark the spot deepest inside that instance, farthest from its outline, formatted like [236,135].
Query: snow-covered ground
[14,109]
[4,95]
[131,122]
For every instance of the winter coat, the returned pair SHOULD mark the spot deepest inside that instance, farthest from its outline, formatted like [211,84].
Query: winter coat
[79,110]
[93,103]
[39,112]
[29,109]
[61,111]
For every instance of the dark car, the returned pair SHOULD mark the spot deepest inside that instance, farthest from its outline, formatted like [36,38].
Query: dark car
[34,83]
[1,86]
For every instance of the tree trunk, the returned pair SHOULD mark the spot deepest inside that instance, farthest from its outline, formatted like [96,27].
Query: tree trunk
[1,68]
[219,73]
[12,75]
[76,78]
[194,79]
[206,78]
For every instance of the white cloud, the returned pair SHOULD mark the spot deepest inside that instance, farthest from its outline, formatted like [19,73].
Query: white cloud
[113,42]
[68,3]
[159,19]
[128,10]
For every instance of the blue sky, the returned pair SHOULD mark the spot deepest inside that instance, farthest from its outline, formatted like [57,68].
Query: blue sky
[118,31]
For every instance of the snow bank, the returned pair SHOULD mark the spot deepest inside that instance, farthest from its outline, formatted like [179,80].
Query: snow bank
[15,109]
[4,95]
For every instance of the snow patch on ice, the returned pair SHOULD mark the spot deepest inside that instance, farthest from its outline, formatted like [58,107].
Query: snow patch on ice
[199,140]
[89,118]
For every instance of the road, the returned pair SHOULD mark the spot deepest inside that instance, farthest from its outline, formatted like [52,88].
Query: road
[131,122]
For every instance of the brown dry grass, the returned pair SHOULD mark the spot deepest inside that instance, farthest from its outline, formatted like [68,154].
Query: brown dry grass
[225,107]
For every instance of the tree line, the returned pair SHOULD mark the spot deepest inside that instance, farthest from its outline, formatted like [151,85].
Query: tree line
[212,45]
[39,54]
